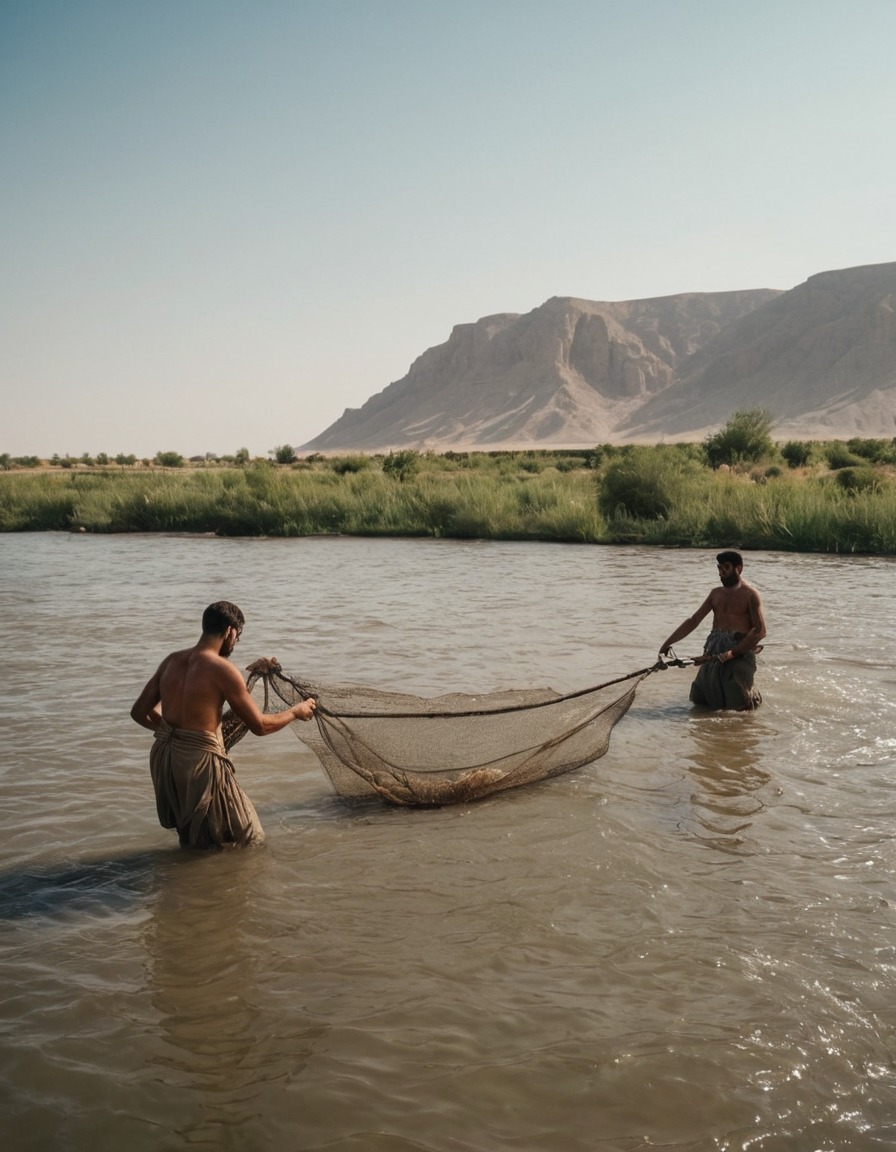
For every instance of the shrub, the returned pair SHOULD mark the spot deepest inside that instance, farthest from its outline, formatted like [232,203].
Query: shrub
[645,483]
[745,438]
[8,462]
[839,456]
[797,453]
[859,479]
[601,455]
[402,465]
[284,454]
[877,451]
[346,464]
[169,460]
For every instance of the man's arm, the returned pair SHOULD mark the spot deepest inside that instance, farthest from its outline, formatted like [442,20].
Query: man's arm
[688,626]
[241,702]
[147,707]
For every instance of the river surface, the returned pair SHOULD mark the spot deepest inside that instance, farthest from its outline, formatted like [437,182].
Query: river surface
[688,944]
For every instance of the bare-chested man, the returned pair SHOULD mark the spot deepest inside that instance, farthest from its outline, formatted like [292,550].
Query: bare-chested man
[195,783]
[725,679]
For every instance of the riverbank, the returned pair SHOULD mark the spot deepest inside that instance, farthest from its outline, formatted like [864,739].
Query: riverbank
[663,495]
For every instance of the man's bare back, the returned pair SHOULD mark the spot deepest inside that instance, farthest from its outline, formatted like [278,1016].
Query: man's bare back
[190,688]
[182,703]
[193,687]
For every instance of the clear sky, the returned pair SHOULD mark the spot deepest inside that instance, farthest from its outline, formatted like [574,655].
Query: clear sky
[225,221]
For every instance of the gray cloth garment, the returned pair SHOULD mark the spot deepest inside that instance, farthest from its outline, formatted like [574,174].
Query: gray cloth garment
[729,685]
[197,792]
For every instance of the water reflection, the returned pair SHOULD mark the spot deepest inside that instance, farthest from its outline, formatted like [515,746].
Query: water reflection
[724,764]
[228,1030]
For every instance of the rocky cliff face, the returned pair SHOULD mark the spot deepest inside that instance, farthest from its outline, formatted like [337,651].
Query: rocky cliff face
[821,358]
[575,372]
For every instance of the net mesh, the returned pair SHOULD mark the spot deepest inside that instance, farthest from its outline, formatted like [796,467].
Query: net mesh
[418,751]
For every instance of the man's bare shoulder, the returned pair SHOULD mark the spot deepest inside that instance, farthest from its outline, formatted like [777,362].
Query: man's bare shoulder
[198,665]
[174,660]
[209,663]
[174,667]
[751,590]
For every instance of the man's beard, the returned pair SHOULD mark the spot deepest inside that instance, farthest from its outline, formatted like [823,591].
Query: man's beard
[730,581]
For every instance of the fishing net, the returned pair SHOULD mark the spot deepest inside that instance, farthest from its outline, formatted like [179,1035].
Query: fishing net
[416,751]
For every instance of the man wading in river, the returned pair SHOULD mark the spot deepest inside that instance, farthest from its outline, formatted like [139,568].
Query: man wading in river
[194,780]
[728,663]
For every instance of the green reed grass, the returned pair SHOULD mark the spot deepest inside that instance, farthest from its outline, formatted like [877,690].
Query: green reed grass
[504,499]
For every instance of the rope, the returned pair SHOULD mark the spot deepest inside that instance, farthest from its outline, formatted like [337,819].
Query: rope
[641,673]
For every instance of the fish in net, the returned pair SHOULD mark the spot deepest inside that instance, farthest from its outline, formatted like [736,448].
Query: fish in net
[418,751]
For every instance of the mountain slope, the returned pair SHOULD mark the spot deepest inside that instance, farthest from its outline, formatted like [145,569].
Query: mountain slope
[821,357]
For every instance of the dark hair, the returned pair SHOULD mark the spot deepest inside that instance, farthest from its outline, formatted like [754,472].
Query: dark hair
[220,616]
[734,558]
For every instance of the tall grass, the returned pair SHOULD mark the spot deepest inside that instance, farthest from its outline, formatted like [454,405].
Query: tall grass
[787,513]
[664,499]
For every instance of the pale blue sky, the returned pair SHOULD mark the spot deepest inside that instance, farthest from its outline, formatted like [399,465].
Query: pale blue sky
[227,220]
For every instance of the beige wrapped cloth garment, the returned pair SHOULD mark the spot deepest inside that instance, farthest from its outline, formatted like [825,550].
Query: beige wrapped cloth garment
[728,685]
[197,791]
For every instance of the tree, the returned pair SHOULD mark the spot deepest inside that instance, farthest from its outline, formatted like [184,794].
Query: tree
[284,454]
[169,460]
[746,438]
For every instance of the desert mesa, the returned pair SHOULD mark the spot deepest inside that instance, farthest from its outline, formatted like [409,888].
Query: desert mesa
[572,373]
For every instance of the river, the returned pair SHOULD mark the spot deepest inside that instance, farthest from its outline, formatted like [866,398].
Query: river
[688,944]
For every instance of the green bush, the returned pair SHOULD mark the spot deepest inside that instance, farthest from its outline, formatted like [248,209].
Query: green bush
[645,483]
[839,456]
[797,453]
[402,465]
[345,464]
[863,478]
[746,438]
[875,451]
[169,460]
